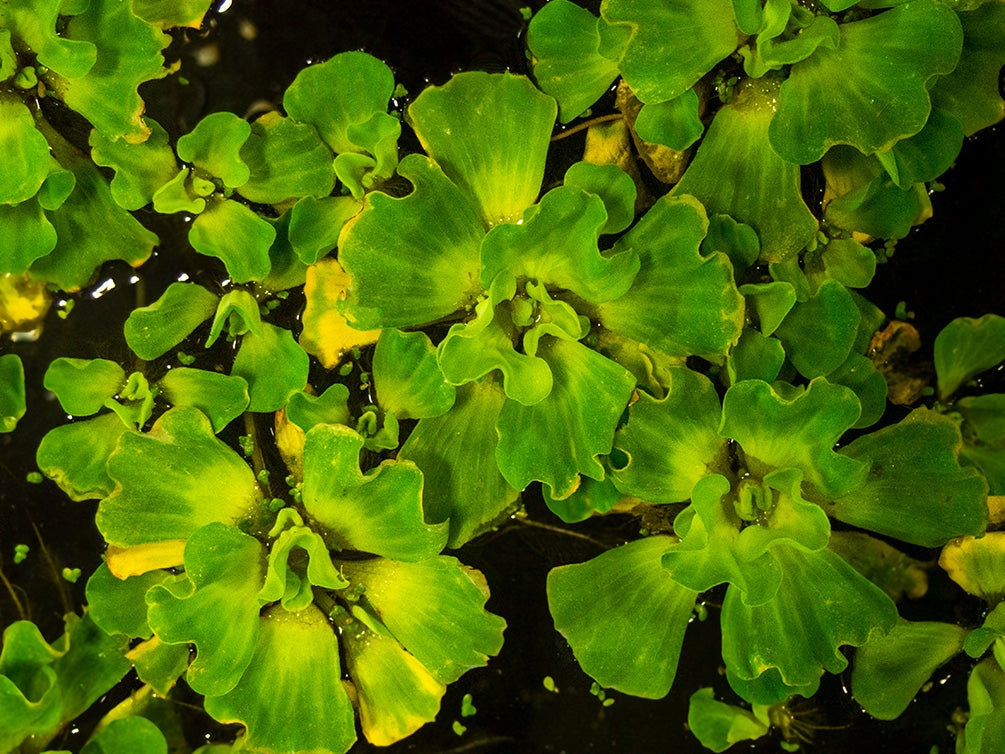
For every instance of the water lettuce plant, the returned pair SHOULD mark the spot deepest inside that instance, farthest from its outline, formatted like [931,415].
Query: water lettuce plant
[393,321]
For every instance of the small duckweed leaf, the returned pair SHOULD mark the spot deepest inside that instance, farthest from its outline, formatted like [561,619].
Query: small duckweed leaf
[273,365]
[348,89]
[397,695]
[457,455]
[151,331]
[286,159]
[559,438]
[408,378]
[140,169]
[173,480]
[128,54]
[117,605]
[915,489]
[25,235]
[796,428]
[557,246]
[411,260]
[736,172]
[221,397]
[822,603]
[214,605]
[880,68]
[965,348]
[452,126]
[818,334]
[680,302]
[326,334]
[12,398]
[215,146]
[291,696]
[718,725]
[331,407]
[77,255]
[970,93]
[379,512]
[74,456]
[23,150]
[890,670]
[671,443]
[315,224]
[624,616]
[83,385]
[671,45]
[435,608]
[565,42]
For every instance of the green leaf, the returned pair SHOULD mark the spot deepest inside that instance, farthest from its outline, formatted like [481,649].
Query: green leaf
[671,45]
[273,365]
[286,159]
[675,124]
[771,302]
[890,670]
[590,497]
[140,169]
[83,385]
[821,604]
[331,407]
[151,331]
[557,246]
[408,378]
[117,605]
[133,734]
[869,385]
[25,235]
[926,155]
[74,456]
[221,397]
[411,260]
[78,252]
[915,490]
[215,146]
[24,150]
[669,444]
[818,334]
[292,586]
[315,224]
[610,183]
[173,480]
[680,302]
[379,512]
[214,605]
[12,400]
[736,172]
[755,357]
[737,241]
[565,42]
[457,455]
[797,428]
[90,663]
[976,564]
[30,699]
[985,729]
[159,664]
[987,634]
[397,695]
[233,233]
[291,697]
[844,260]
[128,54]
[239,312]
[883,564]
[624,616]
[435,608]
[344,91]
[966,347]
[970,93]
[502,182]
[34,24]
[379,136]
[561,437]
[718,725]
[177,195]
[880,68]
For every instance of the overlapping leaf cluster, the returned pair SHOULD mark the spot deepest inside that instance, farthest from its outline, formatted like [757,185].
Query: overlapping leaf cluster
[480,323]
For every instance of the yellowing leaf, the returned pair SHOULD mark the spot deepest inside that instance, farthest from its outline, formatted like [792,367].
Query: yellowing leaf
[327,334]
[124,562]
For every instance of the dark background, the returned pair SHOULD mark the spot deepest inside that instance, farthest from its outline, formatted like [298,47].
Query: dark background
[242,60]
